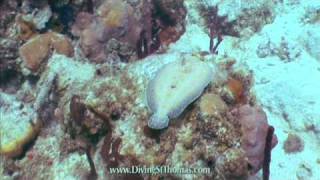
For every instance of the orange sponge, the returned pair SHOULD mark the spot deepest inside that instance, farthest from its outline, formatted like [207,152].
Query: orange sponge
[237,89]
[37,50]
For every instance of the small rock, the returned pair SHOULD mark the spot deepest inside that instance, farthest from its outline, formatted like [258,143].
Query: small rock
[293,144]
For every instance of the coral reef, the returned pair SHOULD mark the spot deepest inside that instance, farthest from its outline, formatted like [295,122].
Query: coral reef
[116,126]
[169,17]
[129,141]
[75,102]
[140,29]
[110,115]
[117,22]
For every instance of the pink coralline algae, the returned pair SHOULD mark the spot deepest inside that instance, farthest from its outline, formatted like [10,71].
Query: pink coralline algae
[254,127]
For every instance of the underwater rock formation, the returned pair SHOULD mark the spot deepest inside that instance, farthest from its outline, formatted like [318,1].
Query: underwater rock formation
[110,115]
[138,29]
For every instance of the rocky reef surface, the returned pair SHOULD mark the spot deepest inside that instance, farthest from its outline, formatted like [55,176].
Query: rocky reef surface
[74,89]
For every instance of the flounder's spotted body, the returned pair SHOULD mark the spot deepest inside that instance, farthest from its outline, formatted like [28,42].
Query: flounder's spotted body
[174,87]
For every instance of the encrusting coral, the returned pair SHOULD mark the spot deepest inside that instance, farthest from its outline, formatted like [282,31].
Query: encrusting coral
[36,51]
[110,116]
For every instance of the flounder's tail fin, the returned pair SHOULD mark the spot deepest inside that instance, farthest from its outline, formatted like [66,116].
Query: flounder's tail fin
[158,121]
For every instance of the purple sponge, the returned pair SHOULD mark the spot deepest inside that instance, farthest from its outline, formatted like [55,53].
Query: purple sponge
[254,127]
